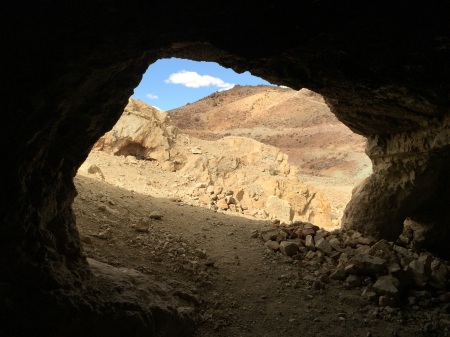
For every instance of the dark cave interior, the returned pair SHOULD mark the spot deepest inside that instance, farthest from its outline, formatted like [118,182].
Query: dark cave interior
[69,69]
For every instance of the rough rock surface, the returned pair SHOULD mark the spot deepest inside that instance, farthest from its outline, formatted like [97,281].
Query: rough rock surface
[237,174]
[71,67]
[413,170]
[130,136]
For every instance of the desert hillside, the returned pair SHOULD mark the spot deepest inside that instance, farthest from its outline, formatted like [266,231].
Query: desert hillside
[146,153]
[298,122]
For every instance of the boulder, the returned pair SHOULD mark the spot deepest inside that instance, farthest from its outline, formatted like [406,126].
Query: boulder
[420,270]
[288,248]
[387,285]
[272,245]
[269,233]
[279,209]
[365,264]
[324,246]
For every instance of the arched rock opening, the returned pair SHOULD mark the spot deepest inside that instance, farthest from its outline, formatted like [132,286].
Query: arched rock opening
[69,69]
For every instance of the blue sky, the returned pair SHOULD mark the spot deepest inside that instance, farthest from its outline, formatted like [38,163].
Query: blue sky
[171,83]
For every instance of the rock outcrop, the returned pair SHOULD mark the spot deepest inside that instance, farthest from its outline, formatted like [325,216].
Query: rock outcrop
[261,181]
[413,170]
[132,136]
[69,69]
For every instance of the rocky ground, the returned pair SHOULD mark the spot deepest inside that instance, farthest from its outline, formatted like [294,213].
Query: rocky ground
[231,271]
[200,217]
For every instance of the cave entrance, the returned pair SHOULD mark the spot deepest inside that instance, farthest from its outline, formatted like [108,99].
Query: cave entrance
[212,126]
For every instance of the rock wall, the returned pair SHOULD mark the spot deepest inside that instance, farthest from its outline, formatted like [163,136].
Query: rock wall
[410,180]
[70,67]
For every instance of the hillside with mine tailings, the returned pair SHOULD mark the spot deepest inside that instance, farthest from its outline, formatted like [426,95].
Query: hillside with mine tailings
[236,175]
[298,122]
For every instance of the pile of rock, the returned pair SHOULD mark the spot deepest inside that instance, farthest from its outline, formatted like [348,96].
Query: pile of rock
[387,272]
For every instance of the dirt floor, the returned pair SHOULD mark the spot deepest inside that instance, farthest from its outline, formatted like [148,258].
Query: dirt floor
[239,287]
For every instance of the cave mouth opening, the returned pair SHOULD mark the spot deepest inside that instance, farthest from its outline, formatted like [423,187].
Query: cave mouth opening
[208,102]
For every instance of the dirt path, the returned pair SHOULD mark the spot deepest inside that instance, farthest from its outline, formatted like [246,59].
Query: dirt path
[239,287]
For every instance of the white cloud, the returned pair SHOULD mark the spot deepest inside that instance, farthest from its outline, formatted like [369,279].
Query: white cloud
[151,96]
[192,79]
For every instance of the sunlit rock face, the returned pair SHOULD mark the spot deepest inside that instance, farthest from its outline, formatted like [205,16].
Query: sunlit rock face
[69,69]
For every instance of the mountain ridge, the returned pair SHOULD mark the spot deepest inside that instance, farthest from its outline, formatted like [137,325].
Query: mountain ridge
[298,122]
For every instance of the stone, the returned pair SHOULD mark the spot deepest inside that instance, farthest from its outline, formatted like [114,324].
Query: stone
[232,208]
[254,233]
[104,235]
[269,234]
[281,236]
[364,240]
[308,230]
[109,210]
[339,274]
[353,281]
[222,204]
[343,258]
[272,245]
[350,242]
[196,150]
[288,248]
[309,242]
[156,215]
[369,294]
[95,170]
[141,228]
[279,209]
[439,275]
[362,249]
[419,272]
[230,200]
[144,222]
[404,252]
[324,246]
[387,285]
[335,243]
[382,249]
[200,253]
[365,264]
[86,239]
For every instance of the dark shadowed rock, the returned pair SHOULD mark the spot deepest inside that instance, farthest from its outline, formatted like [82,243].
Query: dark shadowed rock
[288,248]
[364,264]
